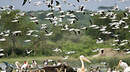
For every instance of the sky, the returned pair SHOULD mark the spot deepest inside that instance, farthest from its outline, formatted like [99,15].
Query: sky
[90,5]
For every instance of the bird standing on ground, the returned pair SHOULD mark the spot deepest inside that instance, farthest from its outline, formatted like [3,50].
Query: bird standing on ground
[82,59]
[124,66]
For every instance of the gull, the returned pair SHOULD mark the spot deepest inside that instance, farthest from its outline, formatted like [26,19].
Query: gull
[15,20]
[34,35]
[78,0]
[2,33]
[49,34]
[27,41]
[93,26]
[28,52]
[1,49]
[99,40]
[57,3]
[127,26]
[106,32]
[35,21]
[65,27]
[1,54]
[70,52]
[125,16]
[2,39]
[113,44]
[84,28]
[117,40]
[57,50]
[97,27]
[122,44]
[103,29]
[25,2]
[60,19]
[96,50]
[81,8]
[33,18]
[71,21]
[76,31]
[38,3]
[30,32]
[21,13]
[103,17]
[66,57]
[51,13]
[15,32]
[124,41]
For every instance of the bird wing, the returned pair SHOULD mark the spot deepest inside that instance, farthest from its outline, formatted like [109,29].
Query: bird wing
[24,2]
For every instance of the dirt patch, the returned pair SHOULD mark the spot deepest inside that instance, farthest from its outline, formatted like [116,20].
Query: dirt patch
[109,52]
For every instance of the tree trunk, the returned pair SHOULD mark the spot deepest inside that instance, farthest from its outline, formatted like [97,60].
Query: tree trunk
[14,46]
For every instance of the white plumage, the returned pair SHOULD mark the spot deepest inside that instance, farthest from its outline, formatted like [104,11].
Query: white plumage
[124,66]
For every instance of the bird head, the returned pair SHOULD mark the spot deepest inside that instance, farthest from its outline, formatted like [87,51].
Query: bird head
[84,58]
[119,64]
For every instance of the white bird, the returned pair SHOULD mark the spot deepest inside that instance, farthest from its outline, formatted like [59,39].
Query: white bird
[21,13]
[95,50]
[33,18]
[70,52]
[25,65]
[28,52]
[57,50]
[15,20]
[124,65]
[34,64]
[18,66]
[66,57]
[127,26]
[1,54]
[128,52]
[82,59]
[27,41]
[2,39]
[49,34]
[99,40]
[16,32]
[65,27]
[38,3]
[93,26]
[1,49]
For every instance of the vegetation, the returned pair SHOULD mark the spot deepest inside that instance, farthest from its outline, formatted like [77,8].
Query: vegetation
[42,45]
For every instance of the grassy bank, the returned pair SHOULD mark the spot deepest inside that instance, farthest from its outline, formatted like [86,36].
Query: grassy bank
[110,61]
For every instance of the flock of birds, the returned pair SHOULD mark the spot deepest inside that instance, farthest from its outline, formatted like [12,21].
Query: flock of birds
[57,66]
[45,67]
[71,19]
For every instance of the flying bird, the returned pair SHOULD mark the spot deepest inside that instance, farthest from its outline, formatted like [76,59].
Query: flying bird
[78,1]
[57,3]
[25,2]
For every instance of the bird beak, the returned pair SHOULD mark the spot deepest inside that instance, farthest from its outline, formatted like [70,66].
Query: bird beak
[86,59]
[118,65]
